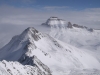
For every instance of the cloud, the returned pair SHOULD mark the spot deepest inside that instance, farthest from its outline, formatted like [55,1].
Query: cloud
[55,7]
[30,16]
[14,20]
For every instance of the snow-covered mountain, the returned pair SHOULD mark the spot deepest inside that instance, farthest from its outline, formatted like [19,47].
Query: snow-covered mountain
[33,53]
[71,26]
[54,21]
[74,34]
[79,36]
[16,68]
[17,50]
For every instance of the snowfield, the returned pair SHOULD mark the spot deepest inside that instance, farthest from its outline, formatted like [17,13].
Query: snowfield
[66,51]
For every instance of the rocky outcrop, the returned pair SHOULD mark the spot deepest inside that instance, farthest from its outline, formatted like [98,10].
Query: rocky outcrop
[69,25]
[16,68]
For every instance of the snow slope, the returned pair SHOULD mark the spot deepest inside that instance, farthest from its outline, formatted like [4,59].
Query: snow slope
[16,68]
[79,37]
[52,55]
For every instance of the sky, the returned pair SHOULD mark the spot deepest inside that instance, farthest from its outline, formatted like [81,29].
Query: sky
[73,4]
[16,15]
[24,12]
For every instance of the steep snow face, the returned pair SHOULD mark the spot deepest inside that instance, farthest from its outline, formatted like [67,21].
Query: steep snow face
[58,56]
[54,21]
[19,44]
[16,50]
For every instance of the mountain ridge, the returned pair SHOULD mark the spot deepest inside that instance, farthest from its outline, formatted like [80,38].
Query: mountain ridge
[50,55]
[56,22]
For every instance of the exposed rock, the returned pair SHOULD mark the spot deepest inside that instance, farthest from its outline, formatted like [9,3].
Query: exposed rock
[69,25]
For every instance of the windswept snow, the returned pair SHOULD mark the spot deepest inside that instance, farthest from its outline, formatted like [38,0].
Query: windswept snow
[78,37]
[15,68]
[52,55]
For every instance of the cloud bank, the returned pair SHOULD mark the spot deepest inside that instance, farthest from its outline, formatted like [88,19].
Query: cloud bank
[14,20]
[30,16]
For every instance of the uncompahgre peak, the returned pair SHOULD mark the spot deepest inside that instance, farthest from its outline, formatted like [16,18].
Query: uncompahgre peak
[54,21]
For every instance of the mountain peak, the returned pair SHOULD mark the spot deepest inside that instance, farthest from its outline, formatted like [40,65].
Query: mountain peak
[32,29]
[53,17]
[29,30]
[54,21]
[31,33]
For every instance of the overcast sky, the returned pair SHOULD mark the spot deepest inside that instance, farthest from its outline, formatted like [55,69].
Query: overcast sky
[16,15]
